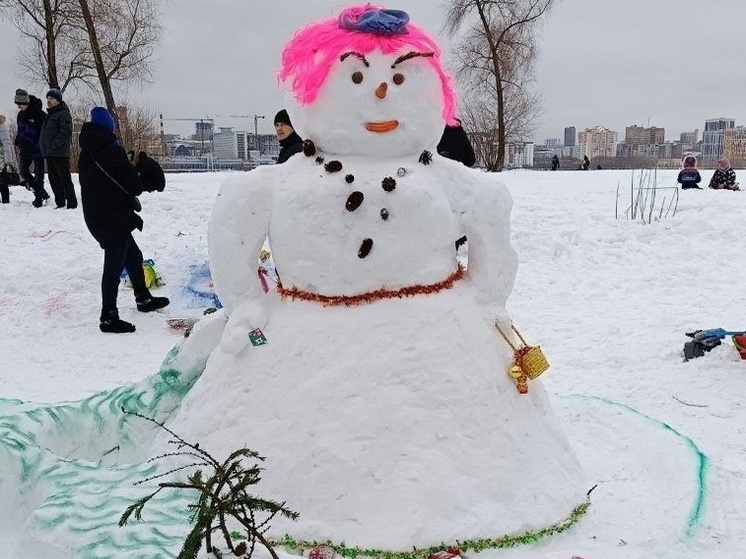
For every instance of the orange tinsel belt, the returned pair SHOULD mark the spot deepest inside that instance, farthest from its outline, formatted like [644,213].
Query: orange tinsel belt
[371,296]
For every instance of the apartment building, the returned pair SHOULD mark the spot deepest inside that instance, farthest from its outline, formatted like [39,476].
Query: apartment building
[231,144]
[713,137]
[519,155]
[734,143]
[598,142]
[689,139]
[570,135]
[639,135]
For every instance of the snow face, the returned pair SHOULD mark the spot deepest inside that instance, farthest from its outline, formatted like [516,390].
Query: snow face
[404,104]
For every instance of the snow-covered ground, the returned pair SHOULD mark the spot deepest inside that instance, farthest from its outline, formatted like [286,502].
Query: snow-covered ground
[608,299]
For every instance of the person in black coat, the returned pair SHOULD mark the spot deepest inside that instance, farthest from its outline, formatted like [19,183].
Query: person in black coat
[29,122]
[454,144]
[290,142]
[55,141]
[149,170]
[586,163]
[108,185]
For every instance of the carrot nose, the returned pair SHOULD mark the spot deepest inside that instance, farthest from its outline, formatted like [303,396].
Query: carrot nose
[381,90]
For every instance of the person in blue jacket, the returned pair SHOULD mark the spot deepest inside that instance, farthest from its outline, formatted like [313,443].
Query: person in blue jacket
[689,176]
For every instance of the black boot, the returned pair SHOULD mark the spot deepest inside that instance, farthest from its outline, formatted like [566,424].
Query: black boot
[111,323]
[149,303]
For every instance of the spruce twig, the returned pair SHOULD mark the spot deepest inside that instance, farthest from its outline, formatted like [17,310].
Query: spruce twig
[223,495]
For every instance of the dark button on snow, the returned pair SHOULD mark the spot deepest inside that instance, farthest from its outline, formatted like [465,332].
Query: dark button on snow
[388,184]
[333,166]
[384,214]
[365,247]
[354,200]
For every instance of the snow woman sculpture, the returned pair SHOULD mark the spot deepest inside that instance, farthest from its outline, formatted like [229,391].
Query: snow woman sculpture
[377,388]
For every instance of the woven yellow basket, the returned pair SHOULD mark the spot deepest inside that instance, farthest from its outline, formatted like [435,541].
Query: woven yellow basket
[529,358]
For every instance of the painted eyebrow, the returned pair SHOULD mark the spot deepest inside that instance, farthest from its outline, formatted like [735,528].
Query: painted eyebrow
[410,55]
[355,54]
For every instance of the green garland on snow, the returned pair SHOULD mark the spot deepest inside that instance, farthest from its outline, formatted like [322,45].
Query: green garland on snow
[475,545]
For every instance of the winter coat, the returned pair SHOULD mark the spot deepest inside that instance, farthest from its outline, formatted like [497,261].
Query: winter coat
[290,146]
[454,144]
[150,173]
[689,177]
[723,179]
[57,132]
[29,124]
[107,210]
[7,152]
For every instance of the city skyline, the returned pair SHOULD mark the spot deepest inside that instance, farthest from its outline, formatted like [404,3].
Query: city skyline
[616,65]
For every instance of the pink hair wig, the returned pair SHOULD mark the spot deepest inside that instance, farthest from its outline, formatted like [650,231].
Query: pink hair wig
[309,55]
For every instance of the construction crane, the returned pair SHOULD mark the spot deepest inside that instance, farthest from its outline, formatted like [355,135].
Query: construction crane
[254,116]
[201,120]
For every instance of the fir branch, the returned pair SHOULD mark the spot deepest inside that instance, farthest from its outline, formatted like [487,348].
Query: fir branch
[222,494]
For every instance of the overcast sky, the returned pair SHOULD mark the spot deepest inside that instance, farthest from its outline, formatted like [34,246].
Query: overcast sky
[670,63]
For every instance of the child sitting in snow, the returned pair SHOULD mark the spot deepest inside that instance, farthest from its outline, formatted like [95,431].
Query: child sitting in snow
[267,271]
[689,176]
[724,177]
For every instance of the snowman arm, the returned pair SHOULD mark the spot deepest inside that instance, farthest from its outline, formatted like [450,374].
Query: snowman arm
[237,230]
[485,219]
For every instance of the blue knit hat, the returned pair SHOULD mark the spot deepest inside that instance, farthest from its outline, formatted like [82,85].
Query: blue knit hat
[56,93]
[99,115]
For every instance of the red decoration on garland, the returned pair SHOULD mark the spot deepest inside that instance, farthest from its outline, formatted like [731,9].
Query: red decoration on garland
[322,552]
[371,296]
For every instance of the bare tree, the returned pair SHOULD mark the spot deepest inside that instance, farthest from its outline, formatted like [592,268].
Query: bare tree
[122,35]
[93,43]
[495,57]
[138,128]
[46,25]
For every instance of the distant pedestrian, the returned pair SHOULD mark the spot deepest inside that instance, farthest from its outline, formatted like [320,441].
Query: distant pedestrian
[586,163]
[555,163]
[724,177]
[55,142]
[29,122]
[689,176]
[108,187]
[290,142]
[454,144]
